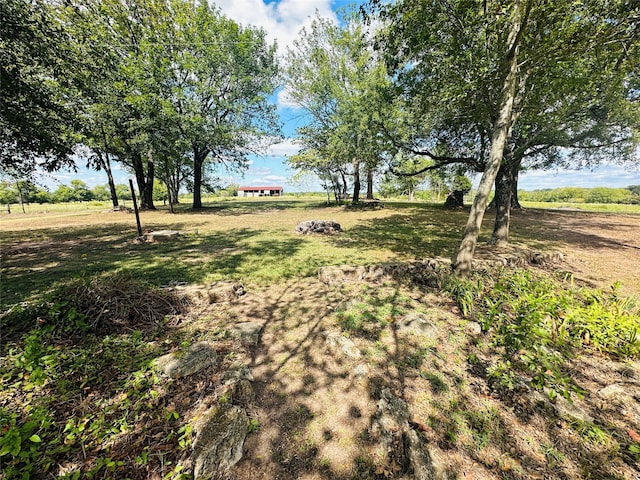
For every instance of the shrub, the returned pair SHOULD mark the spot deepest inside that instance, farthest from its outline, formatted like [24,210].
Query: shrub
[536,323]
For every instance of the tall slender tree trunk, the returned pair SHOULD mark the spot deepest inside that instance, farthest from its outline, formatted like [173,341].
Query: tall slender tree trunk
[199,156]
[356,182]
[502,198]
[462,263]
[369,184]
[105,163]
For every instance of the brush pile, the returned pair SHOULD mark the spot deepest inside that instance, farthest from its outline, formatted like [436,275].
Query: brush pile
[119,304]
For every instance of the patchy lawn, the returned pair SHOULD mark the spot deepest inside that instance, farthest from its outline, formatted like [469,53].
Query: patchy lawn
[88,403]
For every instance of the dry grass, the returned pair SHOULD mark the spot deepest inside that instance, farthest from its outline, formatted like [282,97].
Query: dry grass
[311,410]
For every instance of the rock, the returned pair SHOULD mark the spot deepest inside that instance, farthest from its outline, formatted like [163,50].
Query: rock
[237,373]
[242,393]
[248,332]
[417,324]
[612,392]
[160,236]
[342,345]
[198,356]
[473,328]
[410,452]
[225,292]
[361,371]
[318,226]
[621,398]
[219,441]
[336,275]
[569,410]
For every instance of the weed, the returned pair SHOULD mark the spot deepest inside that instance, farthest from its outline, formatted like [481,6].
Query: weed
[254,426]
[436,383]
[536,324]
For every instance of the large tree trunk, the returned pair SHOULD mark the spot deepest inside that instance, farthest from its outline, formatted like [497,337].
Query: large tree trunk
[515,172]
[502,199]
[199,156]
[462,263]
[356,182]
[146,195]
[370,184]
[145,186]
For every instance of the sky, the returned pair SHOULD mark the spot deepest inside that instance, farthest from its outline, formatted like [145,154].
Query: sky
[282,20]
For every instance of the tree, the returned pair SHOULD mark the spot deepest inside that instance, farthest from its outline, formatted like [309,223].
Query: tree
[223,78]
[8,194]
[335,76]
[477,102]
[40,99]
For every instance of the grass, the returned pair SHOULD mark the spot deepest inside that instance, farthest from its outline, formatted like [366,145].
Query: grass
[248,240]
[78,400]
[585,207]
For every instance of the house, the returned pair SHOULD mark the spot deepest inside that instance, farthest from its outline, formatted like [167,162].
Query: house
[259,191]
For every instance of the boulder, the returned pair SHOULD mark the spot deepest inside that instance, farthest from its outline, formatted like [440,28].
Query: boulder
[225,292]
[405,447]
[237,373]
[336,275]
[417,324]
[220,436]
[197,357]
[160,236]
[318,226]
[341,345]
[247,332]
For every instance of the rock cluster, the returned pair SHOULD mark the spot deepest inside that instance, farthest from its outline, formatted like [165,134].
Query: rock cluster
[318,226]
[408,450]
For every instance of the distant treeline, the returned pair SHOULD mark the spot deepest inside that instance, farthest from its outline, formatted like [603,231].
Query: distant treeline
[628,195]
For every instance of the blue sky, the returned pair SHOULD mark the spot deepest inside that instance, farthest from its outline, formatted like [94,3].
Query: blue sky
[282,20]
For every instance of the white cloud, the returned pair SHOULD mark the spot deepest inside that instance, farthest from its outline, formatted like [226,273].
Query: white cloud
[274,178]
[281,20]
[284,99]
[281,149]
[258,171]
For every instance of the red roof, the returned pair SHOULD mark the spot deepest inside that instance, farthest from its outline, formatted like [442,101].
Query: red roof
[259,188]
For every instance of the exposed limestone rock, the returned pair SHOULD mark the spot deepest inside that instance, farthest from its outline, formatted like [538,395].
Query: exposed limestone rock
[198,356]
[237,373]
[417,324]
[404,446]
[242,393]
[361,371]
[318,226]
[160,236]
[621,398]
[248,332]
[337,275]
[220,436]
[225,292]
[341,345]
[473,328]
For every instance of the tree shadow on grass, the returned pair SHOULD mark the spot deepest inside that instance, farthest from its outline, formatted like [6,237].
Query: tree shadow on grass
[409,236]
[82,252]
[247,207]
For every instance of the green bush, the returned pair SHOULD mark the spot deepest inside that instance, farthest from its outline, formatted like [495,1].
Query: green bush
[536,323]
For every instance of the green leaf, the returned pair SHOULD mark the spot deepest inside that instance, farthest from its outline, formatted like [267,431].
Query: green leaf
[35,438]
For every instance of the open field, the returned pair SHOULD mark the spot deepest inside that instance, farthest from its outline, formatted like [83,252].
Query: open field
[89,403]
[256,241]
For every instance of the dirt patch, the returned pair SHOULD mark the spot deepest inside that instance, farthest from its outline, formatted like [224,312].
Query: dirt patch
[315,409]
[599,249]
